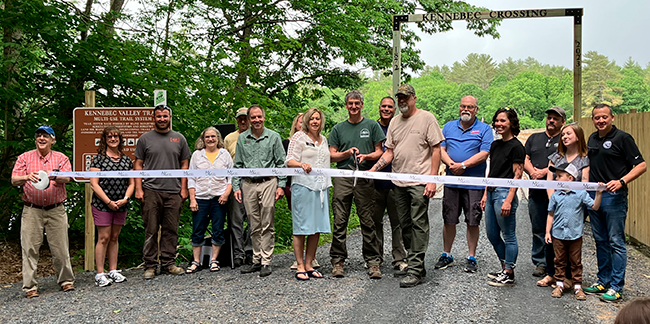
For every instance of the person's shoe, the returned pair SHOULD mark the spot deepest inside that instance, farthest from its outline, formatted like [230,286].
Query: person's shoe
[102,281]
[470,265]
[149,274]
[338,271]
[174,269]
[265,270]
[595,289]
[294,266]
[444,261]
[580,294]
[540,271]
[547,281]
[557,292]
[374,272]
[505,279]
[401,265]
[611,296]
[67,287]
[315,264]
[248,259]
[116,276]
[409,281]
[494,275]
[32,294]
[238,262]
[250,268]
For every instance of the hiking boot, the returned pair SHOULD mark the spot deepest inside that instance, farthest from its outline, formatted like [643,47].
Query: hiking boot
[595,289]
[174,270]
[248,259]
[504,279]
[580,294]
[149,274]
[101,280]
[238,262]
[265,270]
[540,271]
[557,292]
[611,295]
[470,265]
[250,268]
[116,276]
[444,261]
[338,271]
[374,272]
[409,281]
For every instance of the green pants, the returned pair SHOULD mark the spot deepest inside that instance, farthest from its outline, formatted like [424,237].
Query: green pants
[412,209]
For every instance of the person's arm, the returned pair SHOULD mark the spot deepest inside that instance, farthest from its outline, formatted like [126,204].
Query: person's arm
[549,177]
[529,168]
[476,159]
[185,164]
[279,155]
[549,226]
[637,171]
[585,174]
[384,160]
[99,192]
[127,194]
[597,200]
[194,206]
[372,156]
[430,188]
[518,169]
[336,156]
[19,175]
[223,199]
[139,193]
[444,157]
[64,166]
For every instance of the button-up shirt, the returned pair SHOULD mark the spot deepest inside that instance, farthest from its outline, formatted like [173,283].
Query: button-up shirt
[569,213]
[263,152]
[33,161]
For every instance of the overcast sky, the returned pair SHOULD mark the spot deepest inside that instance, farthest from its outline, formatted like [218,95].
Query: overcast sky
[618,29]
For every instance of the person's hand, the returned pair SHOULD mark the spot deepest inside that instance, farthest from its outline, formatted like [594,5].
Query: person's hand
[122,202]
[113,205]
[361,158]
[33,177]
[350,152]
[614,186]
[306,167]
[538,174]
[456,168]
[184,193]
[505,208]
[430,189]
[194,206]
[139,195]
[483,201]
[238,196]
[223,199]
[547,238]
[279,193]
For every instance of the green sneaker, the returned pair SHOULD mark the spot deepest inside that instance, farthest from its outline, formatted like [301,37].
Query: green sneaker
[611,295]
[595,289]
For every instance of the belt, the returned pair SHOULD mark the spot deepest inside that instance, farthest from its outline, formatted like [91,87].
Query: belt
[48,207]
[259,180]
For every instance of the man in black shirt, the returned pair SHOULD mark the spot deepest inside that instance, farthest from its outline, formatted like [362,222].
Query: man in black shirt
[615,160]
[539,147]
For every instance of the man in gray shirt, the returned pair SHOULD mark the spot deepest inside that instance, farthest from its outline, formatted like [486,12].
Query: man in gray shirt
[162,198]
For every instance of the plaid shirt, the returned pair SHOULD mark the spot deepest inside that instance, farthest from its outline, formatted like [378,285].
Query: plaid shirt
[32,161]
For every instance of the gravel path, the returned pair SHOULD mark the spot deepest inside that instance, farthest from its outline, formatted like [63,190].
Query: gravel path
[447,296]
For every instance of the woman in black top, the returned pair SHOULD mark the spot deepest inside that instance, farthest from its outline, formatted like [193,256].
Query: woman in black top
[507,156]
[110,202]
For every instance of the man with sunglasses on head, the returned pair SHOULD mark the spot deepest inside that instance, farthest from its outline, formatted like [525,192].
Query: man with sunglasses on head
[539,147]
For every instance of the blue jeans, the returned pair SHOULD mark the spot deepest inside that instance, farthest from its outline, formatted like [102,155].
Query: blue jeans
[496,226]
[538,212]
[209,209]
[608,227]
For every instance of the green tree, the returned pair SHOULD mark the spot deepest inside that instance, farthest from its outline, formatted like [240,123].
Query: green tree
[599,75]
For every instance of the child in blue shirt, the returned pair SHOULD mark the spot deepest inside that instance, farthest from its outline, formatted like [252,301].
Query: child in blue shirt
[566,210]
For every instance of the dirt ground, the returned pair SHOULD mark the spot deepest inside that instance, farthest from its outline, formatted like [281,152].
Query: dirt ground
[11,261]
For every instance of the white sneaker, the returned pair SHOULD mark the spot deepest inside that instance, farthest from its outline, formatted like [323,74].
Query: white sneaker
[102,281]
[116,276]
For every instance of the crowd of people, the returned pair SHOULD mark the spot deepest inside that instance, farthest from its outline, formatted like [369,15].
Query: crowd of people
[410,142]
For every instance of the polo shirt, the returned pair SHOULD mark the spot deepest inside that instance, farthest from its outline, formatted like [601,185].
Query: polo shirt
[568,209]
[461,144]
[613,156]
[539,147]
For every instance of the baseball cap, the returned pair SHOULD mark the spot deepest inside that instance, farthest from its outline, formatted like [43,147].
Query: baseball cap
[405,89]
[241,112]
[566,167]
[558,110]
[46,129]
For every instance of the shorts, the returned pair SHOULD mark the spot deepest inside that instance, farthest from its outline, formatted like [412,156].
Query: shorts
[108,218]
[468,201]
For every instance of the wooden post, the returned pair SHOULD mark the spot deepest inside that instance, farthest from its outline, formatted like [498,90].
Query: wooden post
[89,246]
[577,66]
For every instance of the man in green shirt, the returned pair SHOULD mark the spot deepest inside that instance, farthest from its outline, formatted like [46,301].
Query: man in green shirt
[259,147]
[364,137]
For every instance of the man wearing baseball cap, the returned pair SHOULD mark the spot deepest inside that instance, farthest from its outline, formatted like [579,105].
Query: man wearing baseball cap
[43,210]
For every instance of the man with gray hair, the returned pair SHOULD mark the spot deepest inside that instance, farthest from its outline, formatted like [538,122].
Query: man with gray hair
[353,144]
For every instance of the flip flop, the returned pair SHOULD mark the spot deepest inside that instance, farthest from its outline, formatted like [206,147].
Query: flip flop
[214,266]
[304,274]
[195,270]
[314,274]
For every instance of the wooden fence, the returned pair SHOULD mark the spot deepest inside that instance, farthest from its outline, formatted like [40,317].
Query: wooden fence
[638,125]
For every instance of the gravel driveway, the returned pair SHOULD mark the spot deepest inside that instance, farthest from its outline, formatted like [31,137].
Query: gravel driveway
[446,296]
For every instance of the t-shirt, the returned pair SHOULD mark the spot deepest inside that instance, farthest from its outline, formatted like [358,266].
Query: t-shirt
[114,188]
[612,156]
[580,162]
[412,140]
[362,135]
[568,209]
[461,144]
[162,151]
[230,143]
[384,184]
[503,155]
[539,147]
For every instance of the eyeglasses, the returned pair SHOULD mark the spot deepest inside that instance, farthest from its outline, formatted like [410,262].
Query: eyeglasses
[469,107]
[112,136]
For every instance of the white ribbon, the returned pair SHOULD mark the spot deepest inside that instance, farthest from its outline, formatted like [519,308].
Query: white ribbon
[337,173]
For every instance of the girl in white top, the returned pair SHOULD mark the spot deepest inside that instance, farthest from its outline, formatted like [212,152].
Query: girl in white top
[208,196]
[310,204]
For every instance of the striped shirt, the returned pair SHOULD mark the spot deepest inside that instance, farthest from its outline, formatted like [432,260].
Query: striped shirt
[32,161]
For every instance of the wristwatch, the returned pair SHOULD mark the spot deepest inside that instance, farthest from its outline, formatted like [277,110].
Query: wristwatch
[622,182]
[462,164]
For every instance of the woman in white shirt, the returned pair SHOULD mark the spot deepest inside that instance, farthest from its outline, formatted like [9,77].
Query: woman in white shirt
[208,196]
[310,204]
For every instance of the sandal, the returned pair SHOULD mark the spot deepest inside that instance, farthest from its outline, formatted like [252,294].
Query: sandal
[214,266]
[546,282]
[298,274]
[196,265]
[314,274]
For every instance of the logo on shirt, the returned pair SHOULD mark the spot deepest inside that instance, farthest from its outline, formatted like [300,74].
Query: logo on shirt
[175,140]
[475,132]
[365,133]
[607,144]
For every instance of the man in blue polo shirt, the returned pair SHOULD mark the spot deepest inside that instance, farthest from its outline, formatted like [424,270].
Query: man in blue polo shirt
[464,151]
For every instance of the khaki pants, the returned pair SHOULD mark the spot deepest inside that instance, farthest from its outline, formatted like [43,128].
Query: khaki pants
[259,201]
[55,223]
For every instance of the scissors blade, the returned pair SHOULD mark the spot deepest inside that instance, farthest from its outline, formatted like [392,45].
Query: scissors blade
[356,168]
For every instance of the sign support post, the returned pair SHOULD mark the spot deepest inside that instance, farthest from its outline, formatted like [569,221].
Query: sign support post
[89,245]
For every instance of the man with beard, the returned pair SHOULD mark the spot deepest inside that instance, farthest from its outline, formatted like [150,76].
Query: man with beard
[413,145]
[465,149]
[539,147]
[162,198]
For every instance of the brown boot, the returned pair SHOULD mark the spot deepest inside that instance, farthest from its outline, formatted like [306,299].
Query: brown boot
[374,272]
[338,271]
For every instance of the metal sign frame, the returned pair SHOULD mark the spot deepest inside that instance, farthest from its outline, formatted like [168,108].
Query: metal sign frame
[576,13]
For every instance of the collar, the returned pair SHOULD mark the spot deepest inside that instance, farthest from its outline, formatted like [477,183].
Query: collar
[460,126]
[611,133]
[249,134]
[566,192]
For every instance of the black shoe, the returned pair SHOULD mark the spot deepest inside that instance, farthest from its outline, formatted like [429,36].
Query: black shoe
[266,270]
[399,273]
[505,279]
[540,271]
[444,261]
[470,266]
[238,262]
[409,281]
[248,259]
[250,268]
